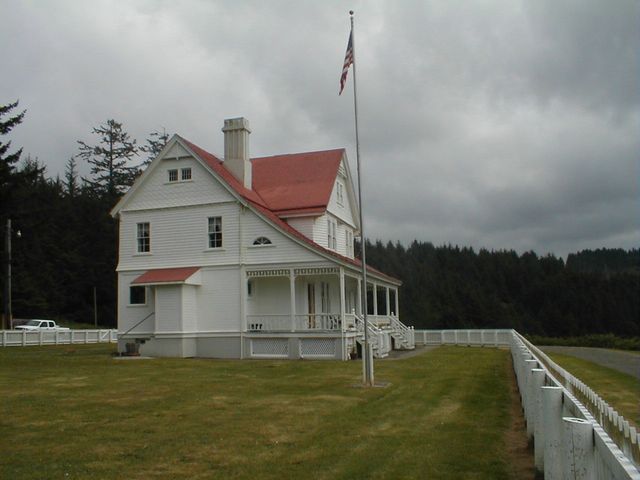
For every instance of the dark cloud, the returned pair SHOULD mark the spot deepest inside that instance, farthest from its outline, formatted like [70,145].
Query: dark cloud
[498,124]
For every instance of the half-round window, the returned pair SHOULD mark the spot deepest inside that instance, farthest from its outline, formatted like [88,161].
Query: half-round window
[262,241]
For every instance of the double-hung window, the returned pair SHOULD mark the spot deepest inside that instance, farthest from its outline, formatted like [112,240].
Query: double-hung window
[137,295]
[331,234]
[349,240]
[185,174]
[340,194]
[143,237]
[215,232]
[173,174]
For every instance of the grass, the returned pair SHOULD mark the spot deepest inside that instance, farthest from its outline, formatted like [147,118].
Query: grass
[618,389]
[75,412]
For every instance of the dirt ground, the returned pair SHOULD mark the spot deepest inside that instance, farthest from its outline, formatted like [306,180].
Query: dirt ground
[625,362]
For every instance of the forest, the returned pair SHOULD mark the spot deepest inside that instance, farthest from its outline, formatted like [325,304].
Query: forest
[64,250]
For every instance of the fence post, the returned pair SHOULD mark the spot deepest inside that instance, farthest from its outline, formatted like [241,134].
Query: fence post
[577,436]
[552,413]
[537,381]
[4,338]
[528,395]
[24,337]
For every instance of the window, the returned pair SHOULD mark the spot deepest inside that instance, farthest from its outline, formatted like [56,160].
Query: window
[173,175]
[137,295]
[340,193]
[185,174]
[331,234]
[215,232]
[349,241]
[144,237]
[250,288]
[262,241]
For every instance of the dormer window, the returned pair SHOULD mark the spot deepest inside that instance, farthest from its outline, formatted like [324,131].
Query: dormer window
[262,241]
[185,174]
[340,193]
[173,175]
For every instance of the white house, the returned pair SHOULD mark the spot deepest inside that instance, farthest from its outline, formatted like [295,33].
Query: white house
[247,258]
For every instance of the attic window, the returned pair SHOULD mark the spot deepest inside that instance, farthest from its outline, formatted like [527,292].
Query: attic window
[262,241]
[340,193]
[173,175]
[185,173]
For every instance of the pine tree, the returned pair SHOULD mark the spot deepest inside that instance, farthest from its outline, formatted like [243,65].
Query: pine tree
[71,178]
[8,160]
[110,160]
[155,144]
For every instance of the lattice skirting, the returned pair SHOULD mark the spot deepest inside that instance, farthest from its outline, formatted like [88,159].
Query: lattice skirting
[270,347]
[317,347]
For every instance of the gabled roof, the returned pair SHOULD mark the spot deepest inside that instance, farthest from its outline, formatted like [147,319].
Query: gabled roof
[284,185]
[296,183]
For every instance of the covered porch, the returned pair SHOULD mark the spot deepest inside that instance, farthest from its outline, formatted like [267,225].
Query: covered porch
[314,299]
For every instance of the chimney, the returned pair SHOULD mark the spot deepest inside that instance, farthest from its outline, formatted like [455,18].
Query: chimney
[236,149]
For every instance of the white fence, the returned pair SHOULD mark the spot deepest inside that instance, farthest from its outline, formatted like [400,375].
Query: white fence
[24,338]
[490,337]
[575,433]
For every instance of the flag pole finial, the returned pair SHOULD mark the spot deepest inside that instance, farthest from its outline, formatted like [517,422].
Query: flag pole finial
[351,12]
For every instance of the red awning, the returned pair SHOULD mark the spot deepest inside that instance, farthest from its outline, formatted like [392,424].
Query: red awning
[165,276]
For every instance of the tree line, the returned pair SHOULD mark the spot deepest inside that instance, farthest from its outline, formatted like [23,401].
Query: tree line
[68,249]
[65,255]
[595,291]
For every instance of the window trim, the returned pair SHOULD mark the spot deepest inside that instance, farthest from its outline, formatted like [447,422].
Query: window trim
[220,232]
[268,243]
[146,296]
[143,241]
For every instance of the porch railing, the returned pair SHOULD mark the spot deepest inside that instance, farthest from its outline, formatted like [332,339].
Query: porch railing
[301,323]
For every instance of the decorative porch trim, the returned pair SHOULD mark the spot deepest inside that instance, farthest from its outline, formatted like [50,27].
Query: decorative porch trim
[280,272]
[316,271]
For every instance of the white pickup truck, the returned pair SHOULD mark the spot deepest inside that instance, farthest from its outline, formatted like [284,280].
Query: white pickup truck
[37,324]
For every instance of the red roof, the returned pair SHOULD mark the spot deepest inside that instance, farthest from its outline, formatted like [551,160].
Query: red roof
[285,185]
[296,183]
[166,275]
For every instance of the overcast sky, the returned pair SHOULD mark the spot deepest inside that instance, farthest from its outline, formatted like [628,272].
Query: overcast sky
[500,124]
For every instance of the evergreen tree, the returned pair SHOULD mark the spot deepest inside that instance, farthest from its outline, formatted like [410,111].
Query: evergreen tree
[8,160]
[71,186]
[155,143]
[110,160]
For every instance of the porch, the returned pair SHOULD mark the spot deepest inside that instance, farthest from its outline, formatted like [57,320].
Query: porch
[317,311]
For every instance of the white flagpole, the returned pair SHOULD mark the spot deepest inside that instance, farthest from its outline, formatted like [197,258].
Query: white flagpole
[367,354]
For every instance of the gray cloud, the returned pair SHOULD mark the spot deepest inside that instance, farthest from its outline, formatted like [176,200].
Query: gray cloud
[498,124]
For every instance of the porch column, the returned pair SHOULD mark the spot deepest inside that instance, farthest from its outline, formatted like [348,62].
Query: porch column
[342,299]
[397,307]
[292,291]
[375,299]
[359,302]
[386,292]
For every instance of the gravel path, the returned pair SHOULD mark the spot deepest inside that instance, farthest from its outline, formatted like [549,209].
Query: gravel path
[624,362]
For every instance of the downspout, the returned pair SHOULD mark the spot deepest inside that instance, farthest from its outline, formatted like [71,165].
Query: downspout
[243,287]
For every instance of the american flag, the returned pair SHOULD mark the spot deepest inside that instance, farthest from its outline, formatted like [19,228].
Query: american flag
[348,60]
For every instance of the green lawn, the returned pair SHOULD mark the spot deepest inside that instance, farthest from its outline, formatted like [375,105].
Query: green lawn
[618,389]
[75,412]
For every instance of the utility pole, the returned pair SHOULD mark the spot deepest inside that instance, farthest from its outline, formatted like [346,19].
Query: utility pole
[7,320]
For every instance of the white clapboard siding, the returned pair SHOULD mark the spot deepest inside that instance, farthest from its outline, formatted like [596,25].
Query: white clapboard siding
[344,211]
[168,310]
[282,249]
[305,225]
[320,230]
[271,296]
[158,192]
[189,308]
[179,237]
[129,315]
[218,300]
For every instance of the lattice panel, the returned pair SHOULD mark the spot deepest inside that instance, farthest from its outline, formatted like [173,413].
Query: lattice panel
[317,347]
[270,347]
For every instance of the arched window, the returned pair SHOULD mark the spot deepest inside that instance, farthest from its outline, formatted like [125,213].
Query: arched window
[262,241]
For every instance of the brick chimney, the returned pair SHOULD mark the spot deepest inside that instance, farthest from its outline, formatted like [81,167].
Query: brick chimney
[236,149]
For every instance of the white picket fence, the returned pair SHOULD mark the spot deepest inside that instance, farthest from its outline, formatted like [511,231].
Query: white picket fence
[24,338]
[576,434]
